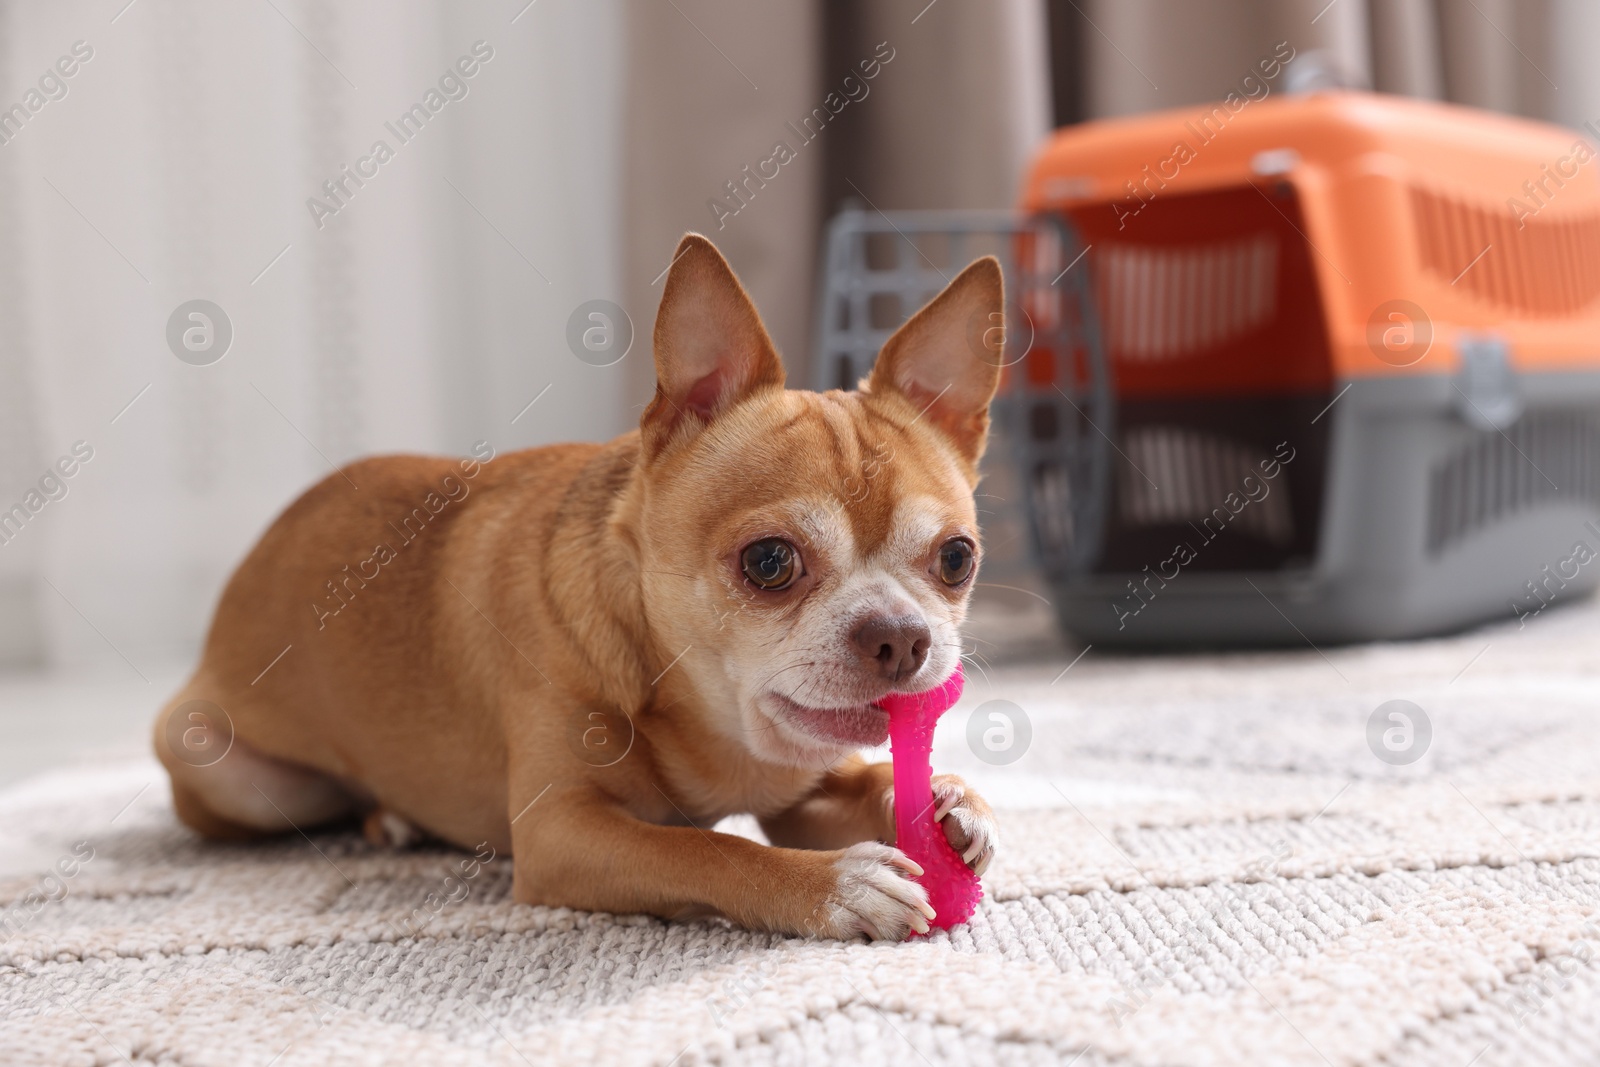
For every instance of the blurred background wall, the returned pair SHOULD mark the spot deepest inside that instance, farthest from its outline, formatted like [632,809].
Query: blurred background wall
[431,309]
[421,316]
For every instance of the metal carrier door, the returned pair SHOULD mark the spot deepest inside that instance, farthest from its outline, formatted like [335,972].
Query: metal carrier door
[1054,414]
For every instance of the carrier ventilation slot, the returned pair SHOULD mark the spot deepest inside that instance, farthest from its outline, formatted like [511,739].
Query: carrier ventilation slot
[1166,303]
[1542,265]
[1545,458]
[1053,508]
[1175,476]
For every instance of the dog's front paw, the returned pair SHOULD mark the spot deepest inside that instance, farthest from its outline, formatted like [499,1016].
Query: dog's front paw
[968,822]
[874,895]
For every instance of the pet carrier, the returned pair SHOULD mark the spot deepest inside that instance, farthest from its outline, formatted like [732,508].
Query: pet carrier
[1352,349]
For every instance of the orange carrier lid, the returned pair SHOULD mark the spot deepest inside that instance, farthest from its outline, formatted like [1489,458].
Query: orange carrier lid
[1280,244]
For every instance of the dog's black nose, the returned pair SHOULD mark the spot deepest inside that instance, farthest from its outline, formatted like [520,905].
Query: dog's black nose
[895,648]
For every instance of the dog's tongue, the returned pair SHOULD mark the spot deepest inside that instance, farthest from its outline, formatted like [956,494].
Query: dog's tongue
[867,726]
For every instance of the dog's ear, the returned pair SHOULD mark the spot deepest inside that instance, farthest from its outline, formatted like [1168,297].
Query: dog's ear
[710,346]
[946,358]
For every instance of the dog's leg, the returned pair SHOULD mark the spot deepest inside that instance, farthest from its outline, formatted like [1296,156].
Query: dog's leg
[853,802]
[856,803]
[245,793]
[579,849]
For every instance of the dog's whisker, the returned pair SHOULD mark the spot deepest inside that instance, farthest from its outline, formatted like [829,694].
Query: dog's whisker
[782,670]
[973,659]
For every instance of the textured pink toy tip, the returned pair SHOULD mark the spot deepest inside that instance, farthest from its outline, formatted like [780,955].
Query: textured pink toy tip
[953,890]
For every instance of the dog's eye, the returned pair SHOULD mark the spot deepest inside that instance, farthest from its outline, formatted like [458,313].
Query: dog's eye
[955,562]
[771,563]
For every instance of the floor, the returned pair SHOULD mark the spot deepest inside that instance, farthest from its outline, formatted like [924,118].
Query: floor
[53,718]
[1205,860]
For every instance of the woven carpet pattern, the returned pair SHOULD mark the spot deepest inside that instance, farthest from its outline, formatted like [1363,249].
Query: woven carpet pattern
[1203,862]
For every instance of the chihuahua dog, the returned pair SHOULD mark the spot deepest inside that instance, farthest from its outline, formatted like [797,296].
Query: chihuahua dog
[585,655]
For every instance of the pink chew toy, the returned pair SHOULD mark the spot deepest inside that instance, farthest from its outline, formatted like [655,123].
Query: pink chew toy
[953,889]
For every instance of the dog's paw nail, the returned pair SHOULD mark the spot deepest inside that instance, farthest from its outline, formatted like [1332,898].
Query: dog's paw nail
[948,791]
[971,829]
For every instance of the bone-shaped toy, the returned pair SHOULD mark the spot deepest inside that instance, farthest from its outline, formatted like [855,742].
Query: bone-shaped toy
[953,889]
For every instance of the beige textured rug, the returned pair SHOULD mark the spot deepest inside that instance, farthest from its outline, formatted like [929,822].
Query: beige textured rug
[1203,863]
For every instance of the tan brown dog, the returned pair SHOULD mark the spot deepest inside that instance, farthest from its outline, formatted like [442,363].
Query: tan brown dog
[588,654]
